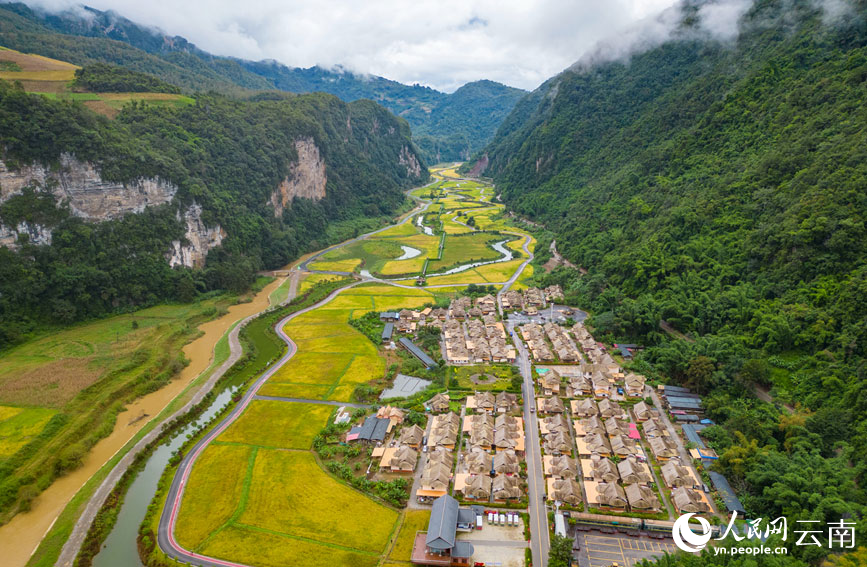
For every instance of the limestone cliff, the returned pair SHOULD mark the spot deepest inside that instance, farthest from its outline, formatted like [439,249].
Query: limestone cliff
[199,240]
[80,185]
[306,178]
[36,233]
[410,162]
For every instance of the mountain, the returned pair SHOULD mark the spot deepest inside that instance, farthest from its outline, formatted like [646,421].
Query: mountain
[461,124]
[718,189]
[86,35]
[162,202]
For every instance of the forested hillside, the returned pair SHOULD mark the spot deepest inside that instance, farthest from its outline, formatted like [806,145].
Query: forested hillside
[722,188]
[106,37]
[230,159]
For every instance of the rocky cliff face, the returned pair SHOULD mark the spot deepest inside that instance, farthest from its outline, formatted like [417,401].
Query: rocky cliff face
[306,179]
[408,160]
[199,240]
[80,185]
[36,233]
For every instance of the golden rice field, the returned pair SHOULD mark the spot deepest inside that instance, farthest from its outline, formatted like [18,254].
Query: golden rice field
[277,424]
[267,500]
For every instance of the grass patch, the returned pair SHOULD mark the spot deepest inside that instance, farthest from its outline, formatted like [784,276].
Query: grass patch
[503,372]
[285,425]
[19,426]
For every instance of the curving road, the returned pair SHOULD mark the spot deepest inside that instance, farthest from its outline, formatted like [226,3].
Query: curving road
[166,537]
[73,544]
[168,519]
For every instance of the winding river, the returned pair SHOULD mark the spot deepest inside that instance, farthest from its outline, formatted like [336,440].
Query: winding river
[408,252]
[120,548]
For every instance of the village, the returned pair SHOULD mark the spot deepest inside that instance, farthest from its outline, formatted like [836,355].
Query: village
[611,446]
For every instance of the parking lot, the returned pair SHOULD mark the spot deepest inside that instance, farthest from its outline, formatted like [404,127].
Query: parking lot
[600,550]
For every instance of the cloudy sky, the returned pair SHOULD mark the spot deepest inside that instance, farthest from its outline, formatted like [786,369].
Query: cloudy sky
[442,43]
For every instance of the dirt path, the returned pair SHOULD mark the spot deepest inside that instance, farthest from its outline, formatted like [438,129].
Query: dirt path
[25,531]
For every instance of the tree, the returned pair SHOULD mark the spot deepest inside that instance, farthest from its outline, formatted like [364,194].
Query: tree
[560,554]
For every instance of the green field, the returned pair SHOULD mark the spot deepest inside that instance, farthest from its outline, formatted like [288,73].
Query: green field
[19,426]
[85,374]
[461,249]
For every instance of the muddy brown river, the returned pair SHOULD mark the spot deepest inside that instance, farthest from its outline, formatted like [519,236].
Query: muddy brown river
[20,537]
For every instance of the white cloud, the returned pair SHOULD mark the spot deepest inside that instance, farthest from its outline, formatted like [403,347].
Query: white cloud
[439,43]
[721,18]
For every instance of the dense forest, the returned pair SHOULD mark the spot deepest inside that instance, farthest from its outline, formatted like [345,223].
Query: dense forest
[105,78]
[450,126]
[226,156]
[716,195]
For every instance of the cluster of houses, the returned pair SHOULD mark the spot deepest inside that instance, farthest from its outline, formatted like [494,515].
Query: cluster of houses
[534,336]
[490,465]
[611,460]
[531,300]
[437,473]
[562,347]
[474,336]
[399,455]
[562,344]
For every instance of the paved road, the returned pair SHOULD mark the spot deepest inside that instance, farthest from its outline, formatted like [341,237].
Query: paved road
[76,538]
[166,538]
[540,538]
[172,548]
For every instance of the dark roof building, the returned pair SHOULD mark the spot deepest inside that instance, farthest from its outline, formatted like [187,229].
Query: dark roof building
[731,500]
[686,417]
[372,430]
[388,331]
[686,404]
[440,545]
[674,389]
[691,432]
[417,352]
[388,316]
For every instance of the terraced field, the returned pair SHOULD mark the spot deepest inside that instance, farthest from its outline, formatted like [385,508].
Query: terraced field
[52,78]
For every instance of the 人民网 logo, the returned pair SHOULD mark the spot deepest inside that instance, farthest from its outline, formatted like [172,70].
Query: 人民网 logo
[686,539]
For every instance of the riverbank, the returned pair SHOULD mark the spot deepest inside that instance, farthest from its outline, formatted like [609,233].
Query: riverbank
[23,534]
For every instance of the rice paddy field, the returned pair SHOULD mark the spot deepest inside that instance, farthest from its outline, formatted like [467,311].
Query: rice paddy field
[62,391]
[258,495]
[412,521]
[465,248]
[51,78]
[261,505]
